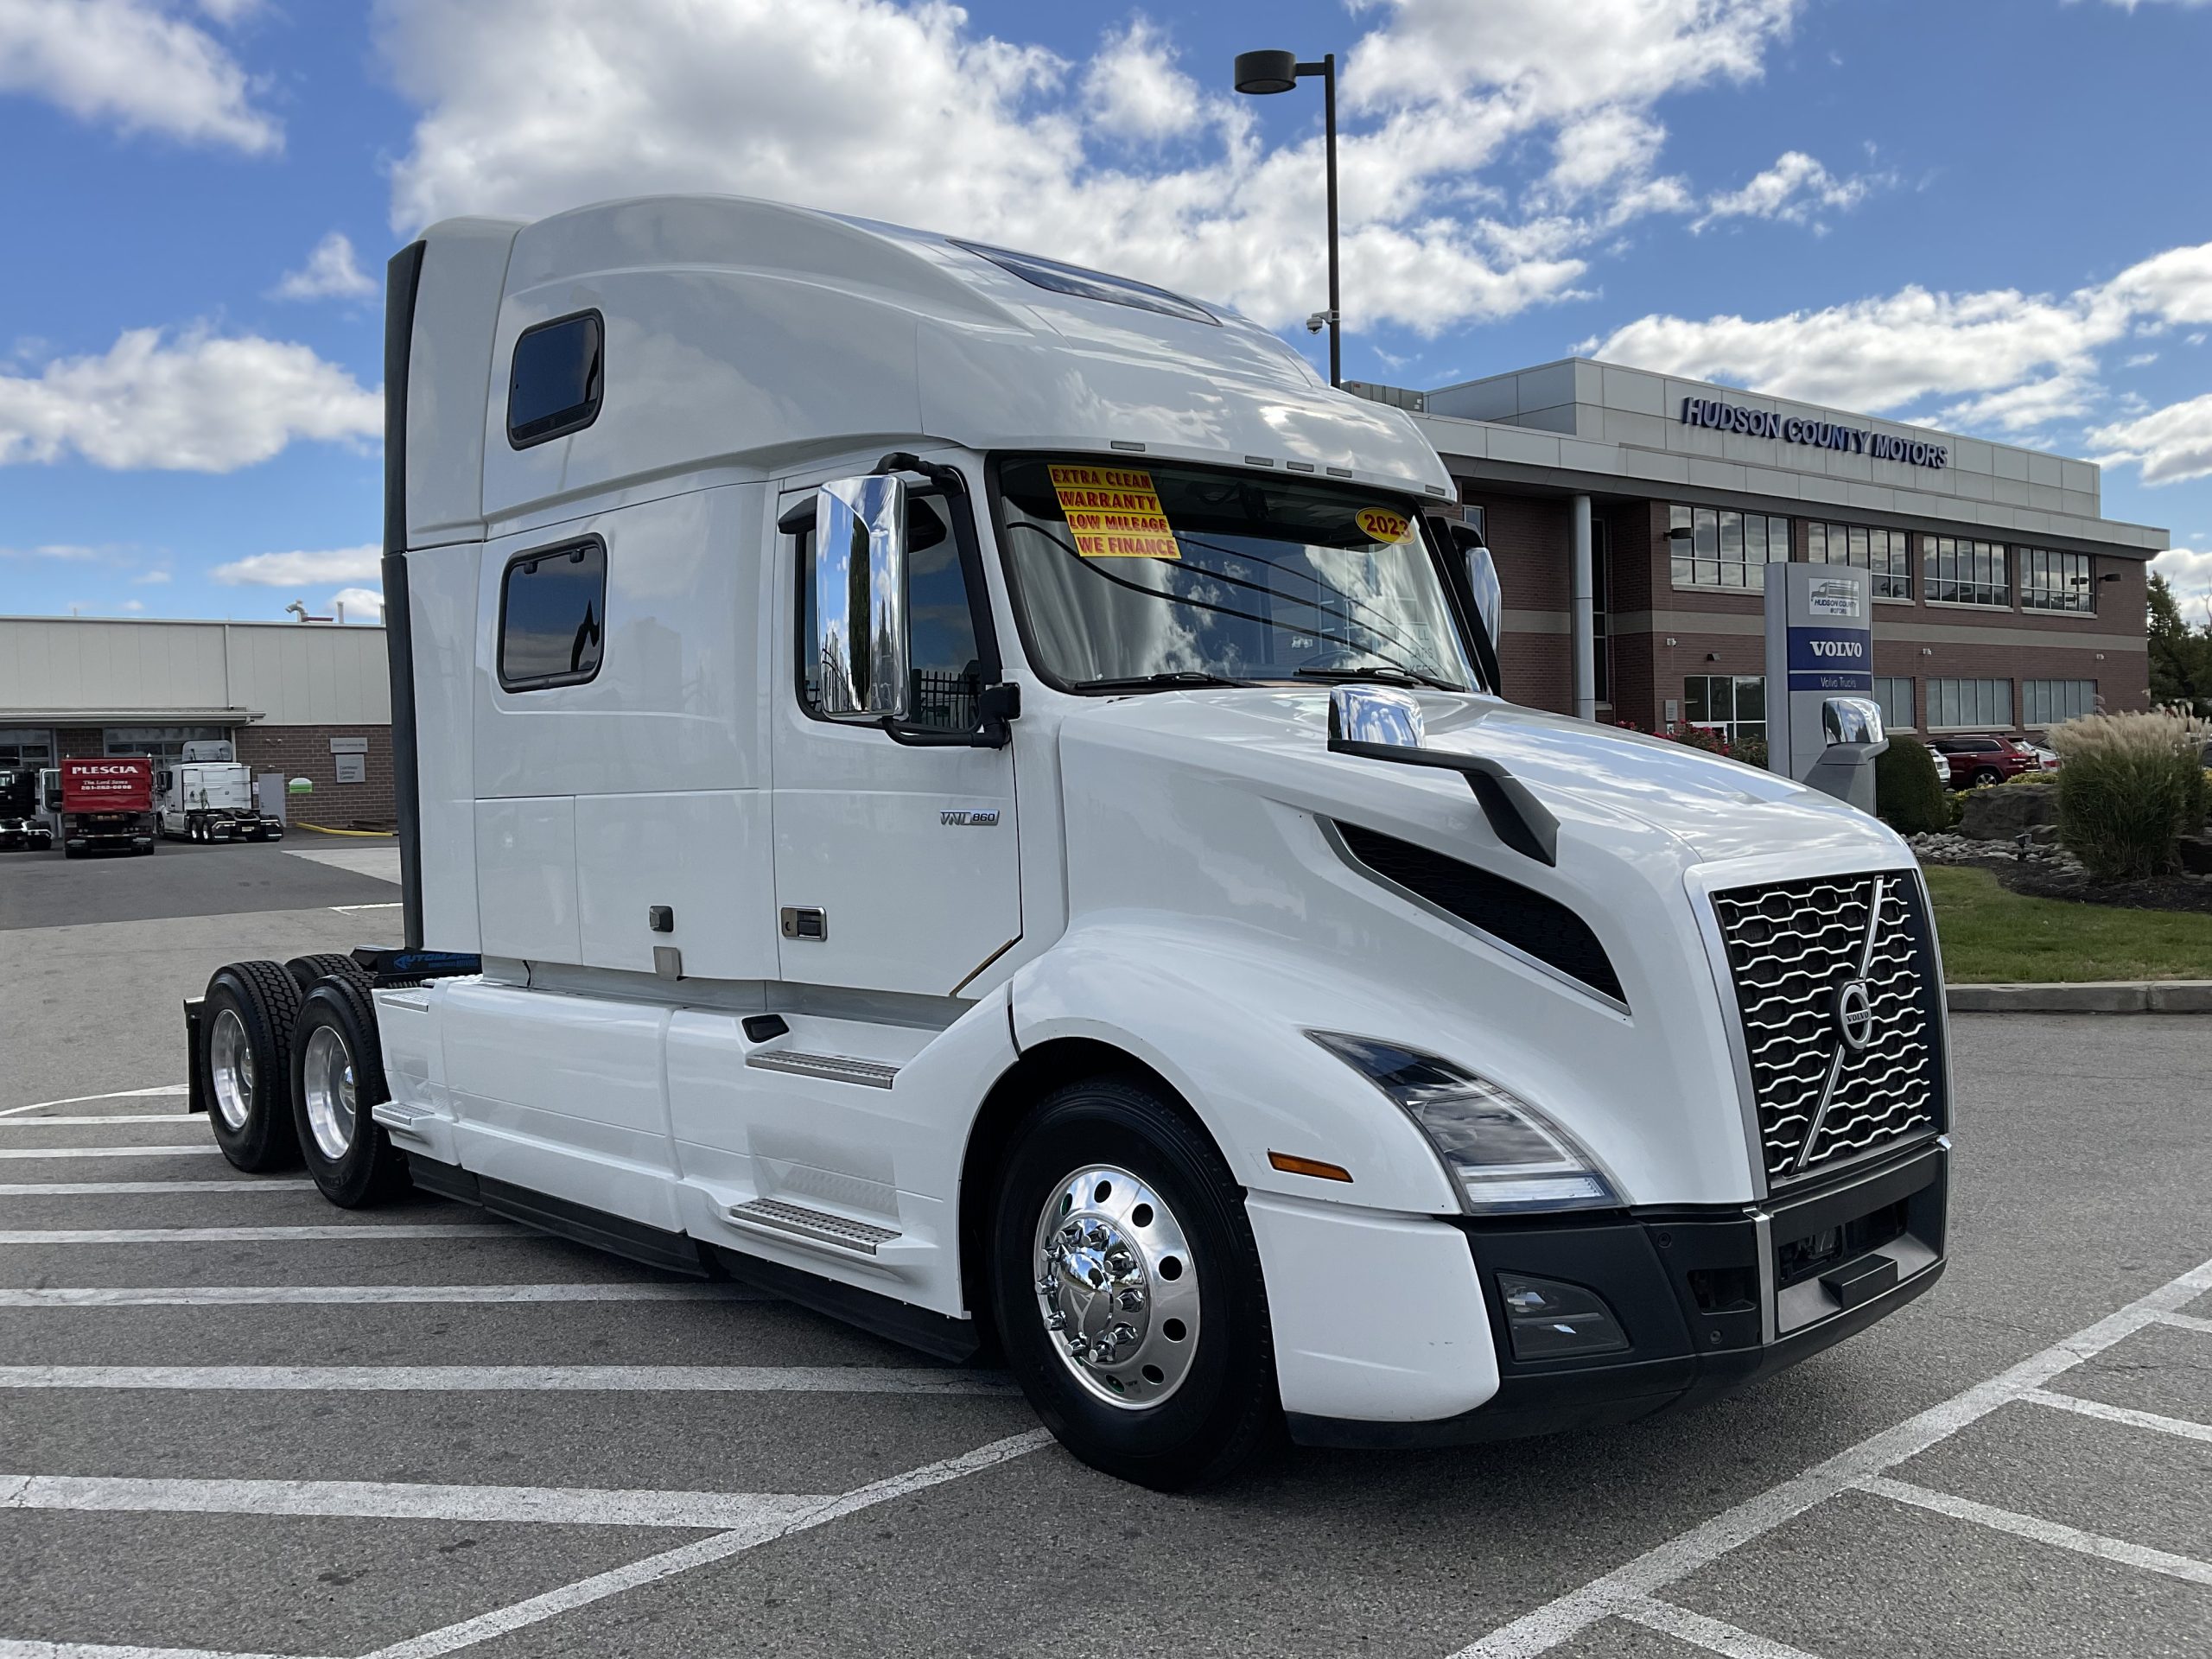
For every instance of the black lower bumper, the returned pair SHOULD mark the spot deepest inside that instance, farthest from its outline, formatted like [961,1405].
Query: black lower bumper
[1706,1301]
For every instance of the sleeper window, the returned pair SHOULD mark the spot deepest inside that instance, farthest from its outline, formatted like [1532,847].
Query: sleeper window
[552,617]
[941,628]
[555,384]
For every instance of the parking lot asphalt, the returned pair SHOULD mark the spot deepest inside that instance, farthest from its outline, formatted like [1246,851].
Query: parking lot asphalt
[235,1420]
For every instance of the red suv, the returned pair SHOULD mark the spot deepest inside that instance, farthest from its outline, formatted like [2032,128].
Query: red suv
[1985,760]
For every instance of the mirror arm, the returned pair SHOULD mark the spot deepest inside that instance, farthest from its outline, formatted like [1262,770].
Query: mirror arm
[996,707]
[1516,816]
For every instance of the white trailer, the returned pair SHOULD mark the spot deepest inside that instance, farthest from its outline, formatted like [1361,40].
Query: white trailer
[207,796]
[972,792]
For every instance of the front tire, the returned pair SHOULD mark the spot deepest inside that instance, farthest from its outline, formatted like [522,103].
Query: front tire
[246,1053]
[1128,1289]
[337,1077]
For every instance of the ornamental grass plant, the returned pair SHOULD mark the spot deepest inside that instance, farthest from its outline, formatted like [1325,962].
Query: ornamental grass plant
[2131,786]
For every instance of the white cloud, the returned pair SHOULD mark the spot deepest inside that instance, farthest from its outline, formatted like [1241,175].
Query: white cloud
[1795,189]
[198,403]
[133,63]
[304,570]
[149,578]
[131,607]
[68,552]
[329,273]
[2170,444]
[2021,408]
[2187,571]
[528,106]
[359,603]
[2141,360]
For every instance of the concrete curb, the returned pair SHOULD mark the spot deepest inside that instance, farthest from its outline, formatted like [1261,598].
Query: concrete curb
[2088,996]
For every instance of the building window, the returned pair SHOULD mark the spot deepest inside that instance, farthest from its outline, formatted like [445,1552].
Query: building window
[26,747]
[557,379]
[553,616]
[1986,704]
[1956,571]
[1722,547]
[162,742]
[1475,513]
[1882,552]
[2055,581]
[2043,703]
[1734,705]
[1601,605]
[1895,697]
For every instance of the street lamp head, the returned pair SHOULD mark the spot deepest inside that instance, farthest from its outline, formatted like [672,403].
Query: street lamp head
[1259,73]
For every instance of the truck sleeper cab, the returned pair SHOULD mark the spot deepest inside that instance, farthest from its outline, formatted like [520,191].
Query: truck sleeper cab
[207,796]
[973,793]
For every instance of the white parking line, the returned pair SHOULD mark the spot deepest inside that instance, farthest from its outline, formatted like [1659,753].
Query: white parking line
[148,1189]
[181,1119]
[326,1295]
[1707,1633]
[505,1620]
[162,1150]
[536,1379]
[2187,1322]
[377,1500]
[78,1100]
[250,1235]
[2042,1531]
[2179,1427]
[1563,1619]
[102,1650]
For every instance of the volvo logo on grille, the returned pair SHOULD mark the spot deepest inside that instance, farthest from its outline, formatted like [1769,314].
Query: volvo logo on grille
[1854,1013]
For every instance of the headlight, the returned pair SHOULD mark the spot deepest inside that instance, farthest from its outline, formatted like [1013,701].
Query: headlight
[1505,1155]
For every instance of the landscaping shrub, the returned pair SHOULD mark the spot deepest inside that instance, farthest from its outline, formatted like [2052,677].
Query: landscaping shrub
[2130,786]
[1907,795]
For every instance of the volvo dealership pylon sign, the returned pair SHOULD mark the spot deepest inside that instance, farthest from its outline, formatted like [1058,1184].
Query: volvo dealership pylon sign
[1819,645]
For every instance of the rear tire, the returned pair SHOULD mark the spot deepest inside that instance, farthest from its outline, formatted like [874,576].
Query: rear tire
[1183,1392]
[337,1076]
[1987,775]
[305,971]
[247,1056]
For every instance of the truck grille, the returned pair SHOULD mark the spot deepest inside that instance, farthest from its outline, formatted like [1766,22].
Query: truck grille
[1837,993]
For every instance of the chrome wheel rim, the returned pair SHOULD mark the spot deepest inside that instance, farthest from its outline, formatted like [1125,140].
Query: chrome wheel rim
[326,1080]
[230,1059]
[1117,1287]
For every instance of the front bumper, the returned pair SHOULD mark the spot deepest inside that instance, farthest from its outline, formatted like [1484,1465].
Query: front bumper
[1707,1299]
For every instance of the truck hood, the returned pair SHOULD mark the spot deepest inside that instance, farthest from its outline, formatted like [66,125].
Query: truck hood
[1712,808]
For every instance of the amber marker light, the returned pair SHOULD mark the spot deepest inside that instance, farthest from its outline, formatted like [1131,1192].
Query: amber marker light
[1291,1164]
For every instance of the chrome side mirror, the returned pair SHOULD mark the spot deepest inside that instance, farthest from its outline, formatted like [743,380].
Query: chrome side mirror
[860,644]
[1851,720]
[1374,713]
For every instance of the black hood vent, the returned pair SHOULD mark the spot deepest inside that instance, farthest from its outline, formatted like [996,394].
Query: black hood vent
[1539,928]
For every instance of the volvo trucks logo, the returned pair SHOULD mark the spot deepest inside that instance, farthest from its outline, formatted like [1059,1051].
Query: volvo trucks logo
[1854,1014]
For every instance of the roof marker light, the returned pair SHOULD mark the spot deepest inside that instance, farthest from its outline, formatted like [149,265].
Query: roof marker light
[1258,461]
[1129,444]
[1301,466]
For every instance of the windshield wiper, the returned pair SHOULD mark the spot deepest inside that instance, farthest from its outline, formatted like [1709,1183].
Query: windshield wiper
[1394,673]
[1154,682]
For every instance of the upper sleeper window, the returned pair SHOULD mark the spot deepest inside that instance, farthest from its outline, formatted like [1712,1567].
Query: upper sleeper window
[552,617]
[557,381]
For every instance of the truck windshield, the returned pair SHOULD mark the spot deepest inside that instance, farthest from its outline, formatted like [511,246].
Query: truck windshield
[1135,575]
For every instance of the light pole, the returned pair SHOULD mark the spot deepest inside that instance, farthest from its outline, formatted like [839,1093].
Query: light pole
[1261,72]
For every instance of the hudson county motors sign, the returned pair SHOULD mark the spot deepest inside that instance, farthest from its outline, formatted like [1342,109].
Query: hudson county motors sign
[1822,435]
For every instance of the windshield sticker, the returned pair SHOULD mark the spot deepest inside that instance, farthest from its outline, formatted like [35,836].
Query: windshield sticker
[1113,513]
[1384,524]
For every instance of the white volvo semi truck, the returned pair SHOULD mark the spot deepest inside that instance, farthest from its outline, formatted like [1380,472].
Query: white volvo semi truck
[973,793]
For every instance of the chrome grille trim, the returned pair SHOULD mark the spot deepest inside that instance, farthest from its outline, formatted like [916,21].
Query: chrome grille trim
[1791,948]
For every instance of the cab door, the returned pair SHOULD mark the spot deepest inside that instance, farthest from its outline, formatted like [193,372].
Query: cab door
[895,862]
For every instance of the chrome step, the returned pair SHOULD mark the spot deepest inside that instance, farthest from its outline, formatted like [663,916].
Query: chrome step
[838,1068]
[839,1232]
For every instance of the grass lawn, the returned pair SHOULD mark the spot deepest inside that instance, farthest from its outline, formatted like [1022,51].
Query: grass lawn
[1992,935]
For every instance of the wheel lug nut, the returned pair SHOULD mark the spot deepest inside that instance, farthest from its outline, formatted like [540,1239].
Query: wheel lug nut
[1132,1300]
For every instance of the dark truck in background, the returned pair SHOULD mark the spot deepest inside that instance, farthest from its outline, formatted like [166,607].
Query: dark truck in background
[107,801]
[20,824]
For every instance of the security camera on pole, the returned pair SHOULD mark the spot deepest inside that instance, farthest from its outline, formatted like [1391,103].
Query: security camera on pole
[1819,657]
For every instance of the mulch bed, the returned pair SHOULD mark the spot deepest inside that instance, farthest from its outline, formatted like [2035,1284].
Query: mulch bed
[2038,880]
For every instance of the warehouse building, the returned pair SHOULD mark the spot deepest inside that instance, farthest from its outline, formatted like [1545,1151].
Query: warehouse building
[1631,515]
[309,701]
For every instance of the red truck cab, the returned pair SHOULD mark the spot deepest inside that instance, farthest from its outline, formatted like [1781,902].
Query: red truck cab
[107,801]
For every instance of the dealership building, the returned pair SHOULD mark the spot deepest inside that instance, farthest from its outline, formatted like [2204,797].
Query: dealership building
[307,700]
[1631,514]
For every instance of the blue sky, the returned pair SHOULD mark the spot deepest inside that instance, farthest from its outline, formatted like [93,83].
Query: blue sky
[1990,215]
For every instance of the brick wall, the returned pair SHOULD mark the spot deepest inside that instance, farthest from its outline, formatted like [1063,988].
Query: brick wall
[1531,542]
[304,751]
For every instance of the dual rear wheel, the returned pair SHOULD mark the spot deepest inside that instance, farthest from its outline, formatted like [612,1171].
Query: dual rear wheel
[292,1068]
